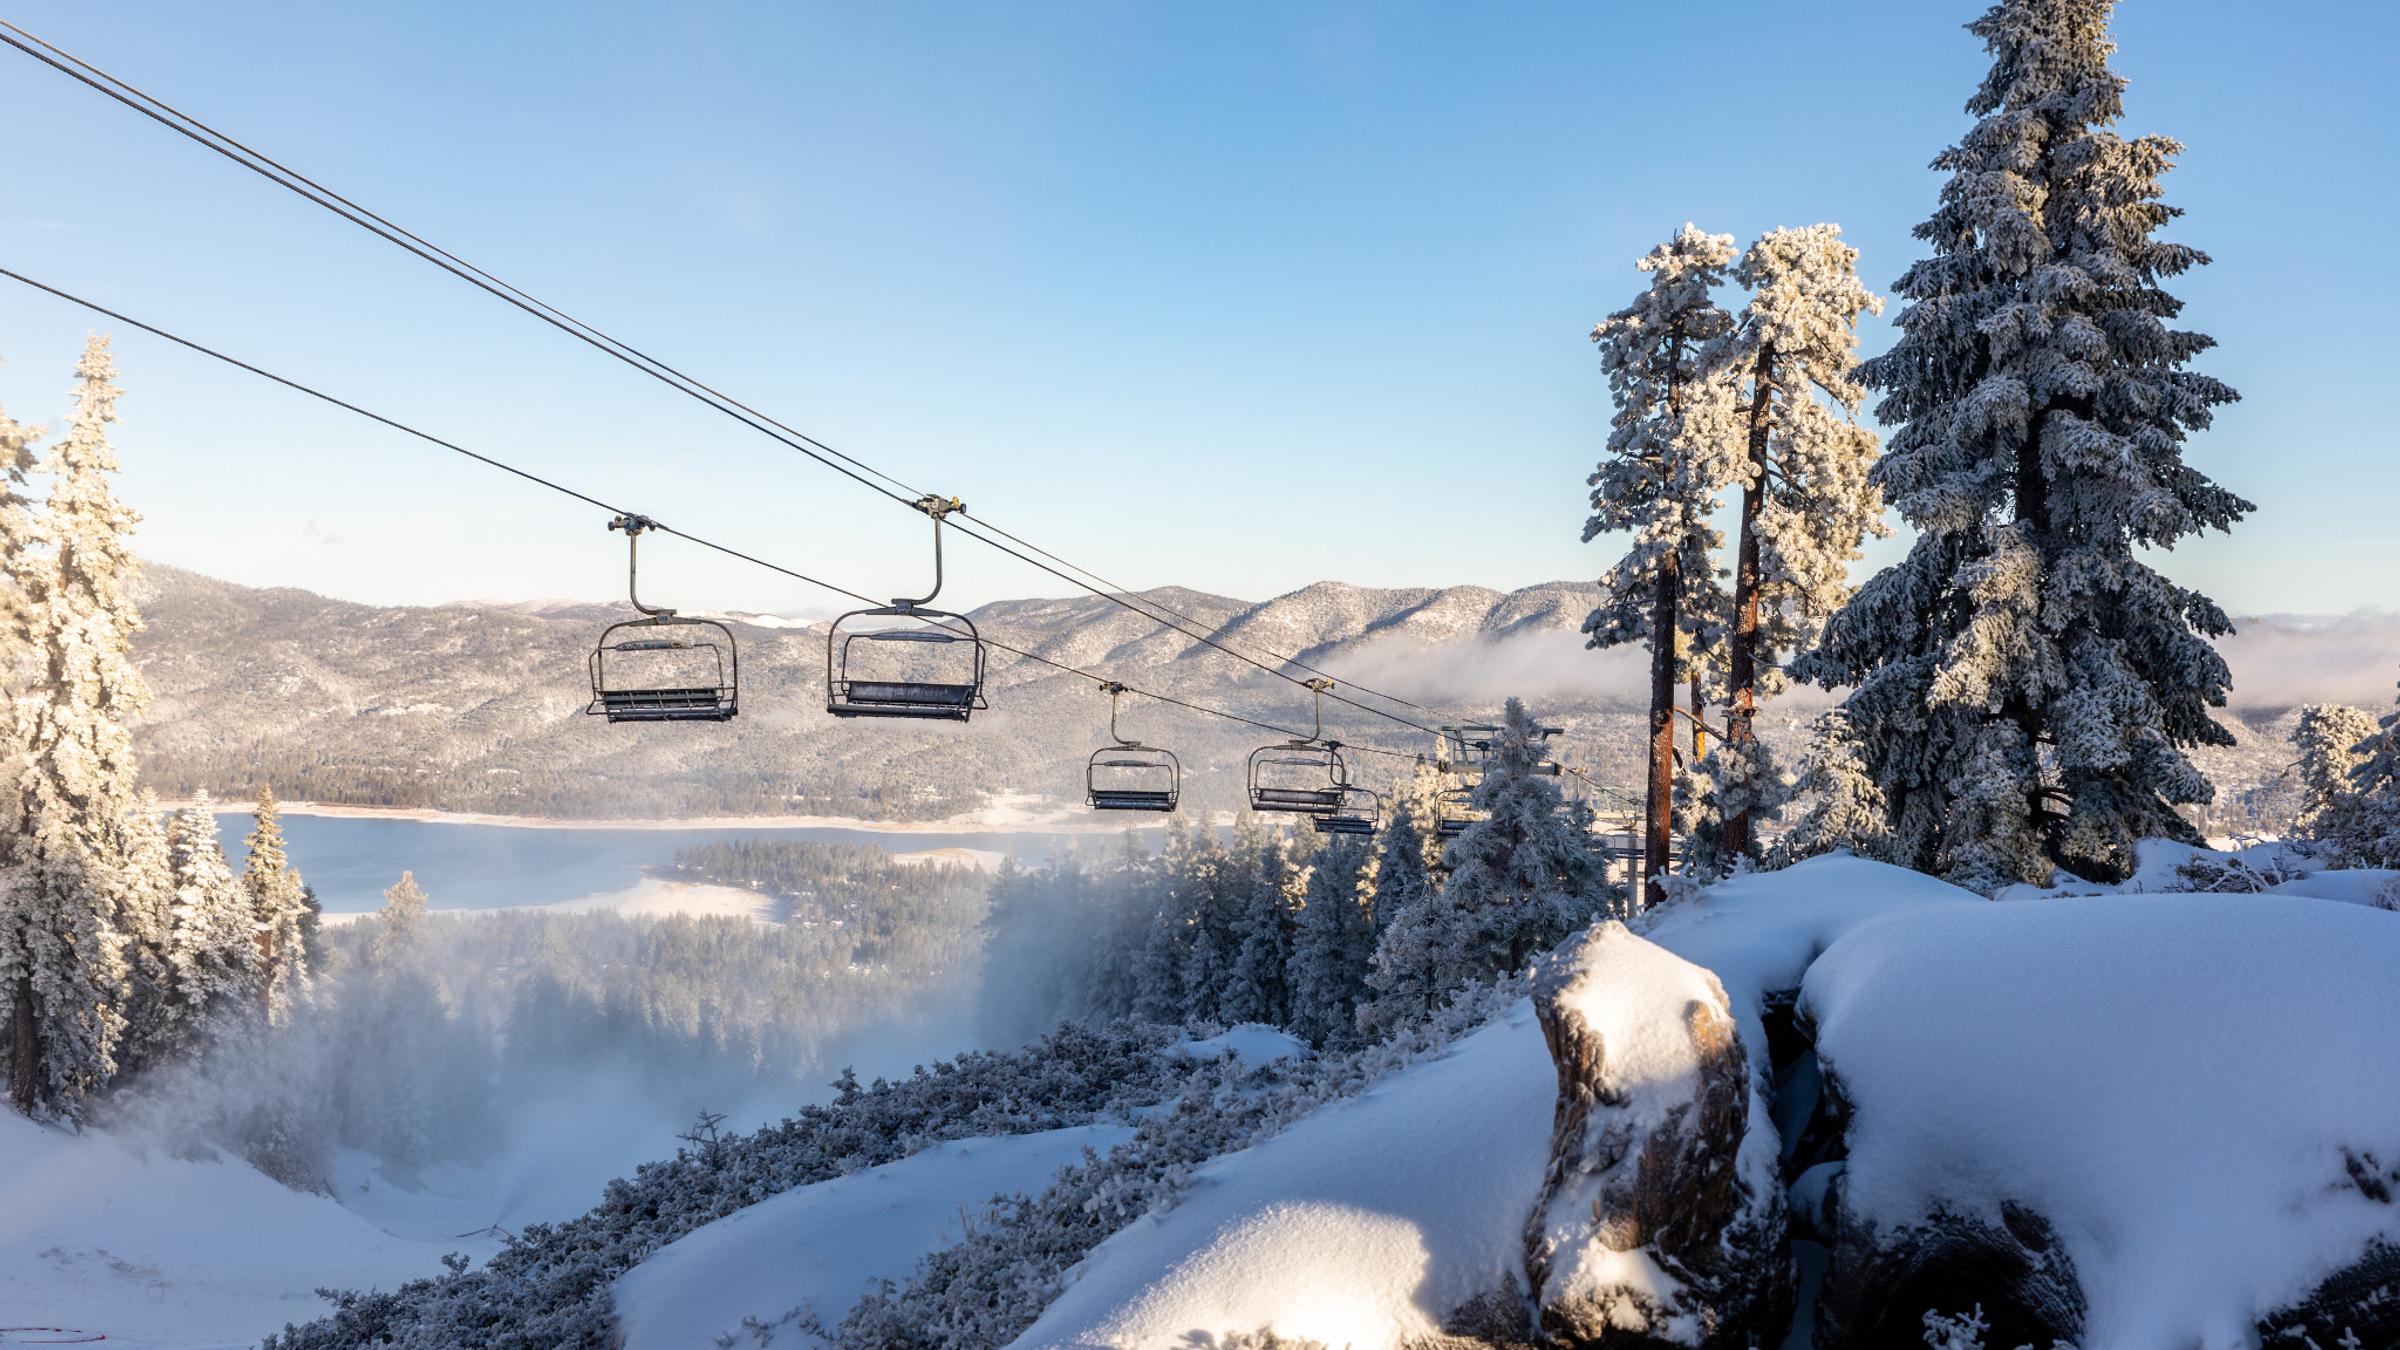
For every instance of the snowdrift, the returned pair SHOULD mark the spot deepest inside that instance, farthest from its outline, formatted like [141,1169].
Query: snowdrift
[823,1245]
[157,1252]
[2180,1085]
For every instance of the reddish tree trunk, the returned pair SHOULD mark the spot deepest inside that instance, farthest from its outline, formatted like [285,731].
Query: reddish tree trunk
[25,1045]
[1741,659]
[1658,816]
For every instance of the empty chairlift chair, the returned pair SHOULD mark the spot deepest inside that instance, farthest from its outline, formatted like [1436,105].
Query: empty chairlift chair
[1304,775]
[662,667]
[1359,813]
[1128,775]
[879,669]
[1457,812]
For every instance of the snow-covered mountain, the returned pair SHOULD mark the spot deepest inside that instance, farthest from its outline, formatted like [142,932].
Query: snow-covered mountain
[477,705]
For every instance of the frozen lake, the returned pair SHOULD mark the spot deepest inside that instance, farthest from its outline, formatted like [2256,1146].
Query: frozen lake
[351,859]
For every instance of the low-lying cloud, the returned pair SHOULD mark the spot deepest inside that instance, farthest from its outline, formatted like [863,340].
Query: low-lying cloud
[2279,661]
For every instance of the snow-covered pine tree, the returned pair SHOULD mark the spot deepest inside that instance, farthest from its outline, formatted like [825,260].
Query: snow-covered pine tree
[1403,879]
[1255,987]
[1521,880]
[214,950]
[398,922]
[1846,808]
[1671,447]
[278,912]
[1216,892]
[1334,937]
[69,881]
[146,918]
[18,537]
[2332,742]
[1158,993]
[1806,503]
[2025,684]
[2365,832]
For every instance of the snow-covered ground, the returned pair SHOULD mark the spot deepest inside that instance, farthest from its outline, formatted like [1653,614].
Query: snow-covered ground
[158,1253]
[1361,1225]
[2170,1079]
[824,1245]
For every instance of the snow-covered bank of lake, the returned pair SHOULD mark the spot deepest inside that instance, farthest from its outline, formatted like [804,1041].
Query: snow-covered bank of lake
[350,860]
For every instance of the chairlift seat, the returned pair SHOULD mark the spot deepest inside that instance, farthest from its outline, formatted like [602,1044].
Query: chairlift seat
[902,698]
[712,698]
[1131,799]
[1343,824]
[848,694]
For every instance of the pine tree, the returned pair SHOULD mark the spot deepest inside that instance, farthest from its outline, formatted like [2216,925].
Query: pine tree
[214,950]
[1671,447]
[399,923]
[1846,808]
[1333,940]
[1255,988]
[146,920]
[1522,879]
[1403,878]
[2025,684]
[2332,740]
[2365,832]
[70,880]
[278,910]
[1806,504]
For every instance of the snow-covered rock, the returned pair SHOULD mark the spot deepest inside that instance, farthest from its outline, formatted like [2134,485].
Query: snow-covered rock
[1661,1217]
[2124,1120]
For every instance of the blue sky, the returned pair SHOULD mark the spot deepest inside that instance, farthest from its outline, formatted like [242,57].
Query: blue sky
[1237,296]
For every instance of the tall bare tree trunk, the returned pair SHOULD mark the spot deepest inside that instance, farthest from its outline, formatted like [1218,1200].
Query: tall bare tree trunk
[1699,714]
[1658,821]
[25,1045]
[1741,659]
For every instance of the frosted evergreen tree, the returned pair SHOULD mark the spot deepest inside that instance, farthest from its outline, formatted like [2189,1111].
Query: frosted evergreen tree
[278,911]
[69,880]
[1216,892]
[2332,740]
[2366,830]
[1255,988]
[1333,941]
[2025,683]
[1846,808]
[19,536]
[1403,878]
[146,919]
[1521,880]
[1806,501]
[398,922]
[1672,445]
[215,947]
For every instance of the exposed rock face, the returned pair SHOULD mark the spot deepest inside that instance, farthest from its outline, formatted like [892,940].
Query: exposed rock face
[1660,1220]
[1883,1281]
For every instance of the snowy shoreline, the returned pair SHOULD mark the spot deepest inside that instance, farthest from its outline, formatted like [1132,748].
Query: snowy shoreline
[1010,817]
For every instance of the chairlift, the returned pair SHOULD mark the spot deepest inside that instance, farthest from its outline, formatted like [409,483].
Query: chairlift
[1130,776]
[661,667]
[1466,749]
[1304,775]
[1455,813]
[934,671]
[1359,813]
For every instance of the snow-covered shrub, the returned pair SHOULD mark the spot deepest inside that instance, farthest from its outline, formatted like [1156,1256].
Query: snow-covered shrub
[993,1284]
[550,1286]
